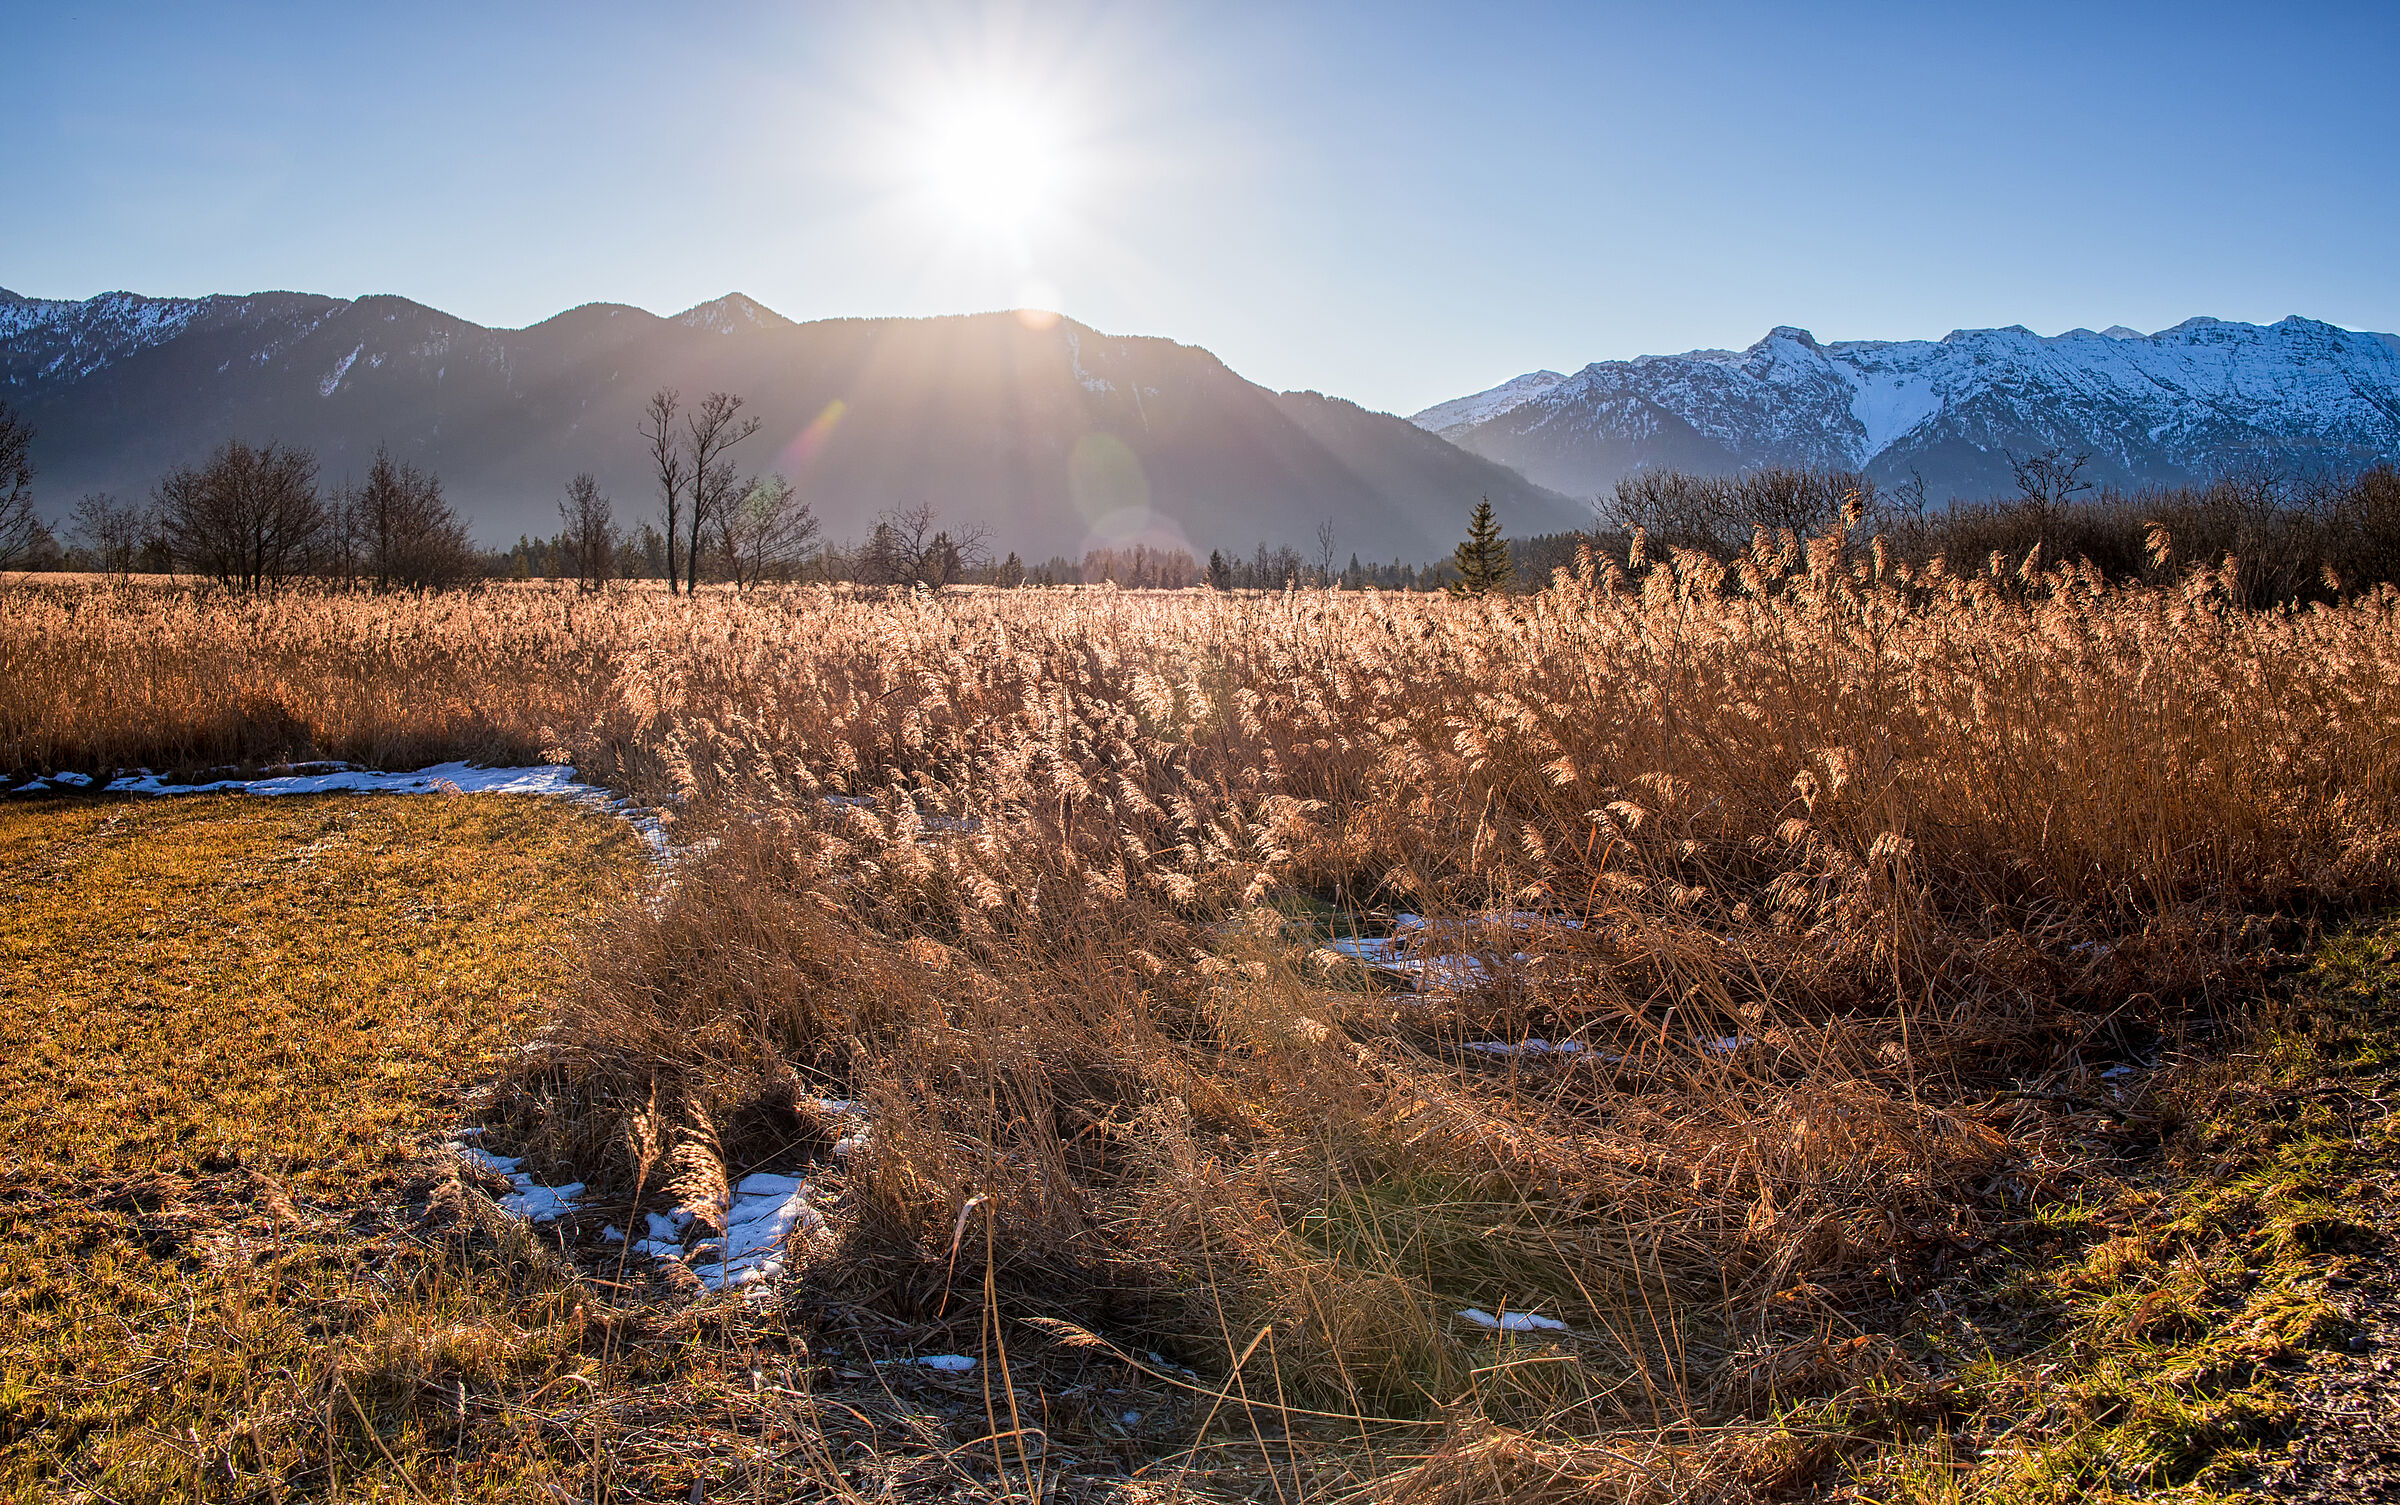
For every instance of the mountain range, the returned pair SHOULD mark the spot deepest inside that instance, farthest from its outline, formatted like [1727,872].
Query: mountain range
[1054,436]
[2149,409]
[1057,437]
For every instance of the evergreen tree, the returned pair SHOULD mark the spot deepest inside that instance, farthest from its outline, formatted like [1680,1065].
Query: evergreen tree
[1482,561]
[1220,573]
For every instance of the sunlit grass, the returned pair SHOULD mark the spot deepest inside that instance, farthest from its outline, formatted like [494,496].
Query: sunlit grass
[228,1029]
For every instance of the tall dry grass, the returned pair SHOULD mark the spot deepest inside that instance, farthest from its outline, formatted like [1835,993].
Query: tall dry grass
[1869,870]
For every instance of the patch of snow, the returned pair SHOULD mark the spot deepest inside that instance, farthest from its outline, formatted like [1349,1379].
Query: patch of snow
[541,1204]
[1513,1322]
[530,1200]
[1391,953]
[1083,378]
[554,779]
[1537,1046]
[1888,405]
[1481,406]
[1725,1045]
[947,1363]
[665,1240]
[766,1209]
[341,368]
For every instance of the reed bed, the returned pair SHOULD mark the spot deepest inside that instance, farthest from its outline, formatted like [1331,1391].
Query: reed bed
[1844,880]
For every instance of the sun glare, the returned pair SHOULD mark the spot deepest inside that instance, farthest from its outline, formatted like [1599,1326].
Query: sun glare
[994,163]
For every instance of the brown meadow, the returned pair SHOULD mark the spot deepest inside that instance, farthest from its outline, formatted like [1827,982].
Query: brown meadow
[1846,880]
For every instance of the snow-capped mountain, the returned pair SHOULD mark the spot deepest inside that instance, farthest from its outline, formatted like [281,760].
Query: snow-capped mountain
[2160,408]
[1052,434]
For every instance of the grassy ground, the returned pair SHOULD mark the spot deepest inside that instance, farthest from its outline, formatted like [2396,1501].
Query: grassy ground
[228,1029]
[2171,1334]
[231,1032]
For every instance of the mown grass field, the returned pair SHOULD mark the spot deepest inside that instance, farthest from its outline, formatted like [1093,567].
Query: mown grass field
[230,1029]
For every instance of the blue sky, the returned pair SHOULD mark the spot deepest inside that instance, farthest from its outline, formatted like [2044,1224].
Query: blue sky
[1395,203]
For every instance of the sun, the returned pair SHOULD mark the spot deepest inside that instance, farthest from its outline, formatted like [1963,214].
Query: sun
[993,162]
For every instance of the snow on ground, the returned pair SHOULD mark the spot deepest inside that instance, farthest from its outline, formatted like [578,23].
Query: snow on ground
[947,1363]
[531,1201]
[1393,953]
[1513,1322]
[1538,1047]
[555,779]
[766,1208]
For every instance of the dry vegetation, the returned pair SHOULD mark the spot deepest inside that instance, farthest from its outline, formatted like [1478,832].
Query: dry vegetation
[1871,872]
[227,1029]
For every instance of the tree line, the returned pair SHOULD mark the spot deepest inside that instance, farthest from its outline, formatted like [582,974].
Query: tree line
[254,517]
[2295,537]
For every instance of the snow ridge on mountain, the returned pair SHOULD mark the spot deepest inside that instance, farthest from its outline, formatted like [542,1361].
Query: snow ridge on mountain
[2172,406]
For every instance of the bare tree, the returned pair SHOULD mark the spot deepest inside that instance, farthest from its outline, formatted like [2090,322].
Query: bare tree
[710,430]
[22,535]
[1325,552]
[666,460]
[109,531]
[408,537]
[906,548]
[588,525]
[767,532]
[2051,478]
[247,519]
[1719,515]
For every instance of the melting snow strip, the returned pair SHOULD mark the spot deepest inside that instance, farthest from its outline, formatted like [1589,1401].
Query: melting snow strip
[554,779]
[1390,953]
[1537,1046]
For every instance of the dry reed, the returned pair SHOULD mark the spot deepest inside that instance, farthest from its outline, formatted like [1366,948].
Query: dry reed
[1867,870]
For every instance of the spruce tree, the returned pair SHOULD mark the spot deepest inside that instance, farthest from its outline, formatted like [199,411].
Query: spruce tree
[1482,561]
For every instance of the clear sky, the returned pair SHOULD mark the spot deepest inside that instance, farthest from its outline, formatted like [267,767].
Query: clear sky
[1394,203]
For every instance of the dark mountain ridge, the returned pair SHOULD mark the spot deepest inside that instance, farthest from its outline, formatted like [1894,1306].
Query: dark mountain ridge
[1052,434]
